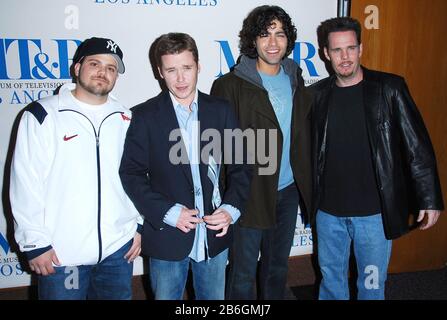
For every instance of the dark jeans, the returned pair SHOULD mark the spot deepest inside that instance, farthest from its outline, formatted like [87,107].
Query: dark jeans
[168,278]
[111,279]
[273,244]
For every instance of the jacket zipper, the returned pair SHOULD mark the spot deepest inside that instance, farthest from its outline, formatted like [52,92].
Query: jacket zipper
[98,168]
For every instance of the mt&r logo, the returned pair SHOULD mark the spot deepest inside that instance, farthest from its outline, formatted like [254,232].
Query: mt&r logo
[39,61]
[4,244]
[304,53]
[34,60]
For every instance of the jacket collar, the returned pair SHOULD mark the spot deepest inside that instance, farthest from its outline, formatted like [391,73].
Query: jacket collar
[372,99]
[371,102]
[246,69]
[368,76]
[66,100]
[168,121]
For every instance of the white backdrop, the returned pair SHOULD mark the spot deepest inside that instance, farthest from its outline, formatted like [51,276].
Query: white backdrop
[39,38]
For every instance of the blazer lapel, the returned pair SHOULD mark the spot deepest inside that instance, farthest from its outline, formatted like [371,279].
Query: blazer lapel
[207,118]
[168,121]
[371,101]
[322,116]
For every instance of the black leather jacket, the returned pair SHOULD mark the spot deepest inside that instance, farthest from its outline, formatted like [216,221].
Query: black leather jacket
[403,157]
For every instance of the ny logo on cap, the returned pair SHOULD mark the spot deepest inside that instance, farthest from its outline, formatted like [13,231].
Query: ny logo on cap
[111,45]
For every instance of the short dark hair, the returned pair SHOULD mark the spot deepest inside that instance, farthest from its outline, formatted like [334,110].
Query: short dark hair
[336,25]
[257,23]
[174,43]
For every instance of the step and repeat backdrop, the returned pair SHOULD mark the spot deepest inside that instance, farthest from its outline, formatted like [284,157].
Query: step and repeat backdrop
[38,40]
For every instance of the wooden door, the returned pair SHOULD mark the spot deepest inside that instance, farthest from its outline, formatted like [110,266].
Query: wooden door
[411,41]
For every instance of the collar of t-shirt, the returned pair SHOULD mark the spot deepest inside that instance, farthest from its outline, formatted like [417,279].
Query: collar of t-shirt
[95,113]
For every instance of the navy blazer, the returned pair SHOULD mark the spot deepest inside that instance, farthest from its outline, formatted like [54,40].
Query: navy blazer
[154,184]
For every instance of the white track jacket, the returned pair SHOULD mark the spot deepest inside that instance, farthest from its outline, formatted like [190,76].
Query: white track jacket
[65,187]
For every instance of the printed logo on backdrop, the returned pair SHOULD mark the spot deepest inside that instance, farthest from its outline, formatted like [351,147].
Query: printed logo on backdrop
[31,69]
[302,240]
[9,262]
[188,3]
[4,244]
[304,54]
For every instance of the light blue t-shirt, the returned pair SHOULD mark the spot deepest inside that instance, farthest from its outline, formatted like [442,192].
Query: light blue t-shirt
[280,95]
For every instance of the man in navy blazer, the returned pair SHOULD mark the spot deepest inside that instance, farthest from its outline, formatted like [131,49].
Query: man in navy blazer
[173,156]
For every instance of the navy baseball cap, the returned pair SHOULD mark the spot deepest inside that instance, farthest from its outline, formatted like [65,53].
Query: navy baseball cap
[100,46]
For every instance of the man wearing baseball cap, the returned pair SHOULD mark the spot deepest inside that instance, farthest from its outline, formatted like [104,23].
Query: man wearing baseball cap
[74,221]
[95,45]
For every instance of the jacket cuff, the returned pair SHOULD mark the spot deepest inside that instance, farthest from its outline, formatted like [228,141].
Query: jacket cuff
[171,217]
[139,228]
[37,252]
[233,211]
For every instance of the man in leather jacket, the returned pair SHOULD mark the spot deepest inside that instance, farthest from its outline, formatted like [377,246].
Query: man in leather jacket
[373,164]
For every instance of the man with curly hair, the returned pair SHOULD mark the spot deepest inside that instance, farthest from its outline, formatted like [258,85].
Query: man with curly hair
[267,91]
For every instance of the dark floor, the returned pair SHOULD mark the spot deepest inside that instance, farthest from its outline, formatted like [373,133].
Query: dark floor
[424,285]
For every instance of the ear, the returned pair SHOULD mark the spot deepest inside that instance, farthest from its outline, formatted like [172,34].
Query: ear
[159,72]
[77,67]
[198,67]
[326,54]
[360,50]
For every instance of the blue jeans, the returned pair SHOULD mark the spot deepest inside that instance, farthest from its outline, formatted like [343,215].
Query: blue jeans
[274,244]
[168,278]
[371,249]
[111,279]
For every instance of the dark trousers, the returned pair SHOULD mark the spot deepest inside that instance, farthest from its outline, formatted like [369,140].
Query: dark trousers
[111,279]
[273,244]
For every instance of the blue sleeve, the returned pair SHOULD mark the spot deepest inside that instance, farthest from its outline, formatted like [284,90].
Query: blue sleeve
[234,212]
[172,215]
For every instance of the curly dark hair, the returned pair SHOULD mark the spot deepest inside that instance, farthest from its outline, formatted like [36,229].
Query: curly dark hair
[257,23]
[335,25]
